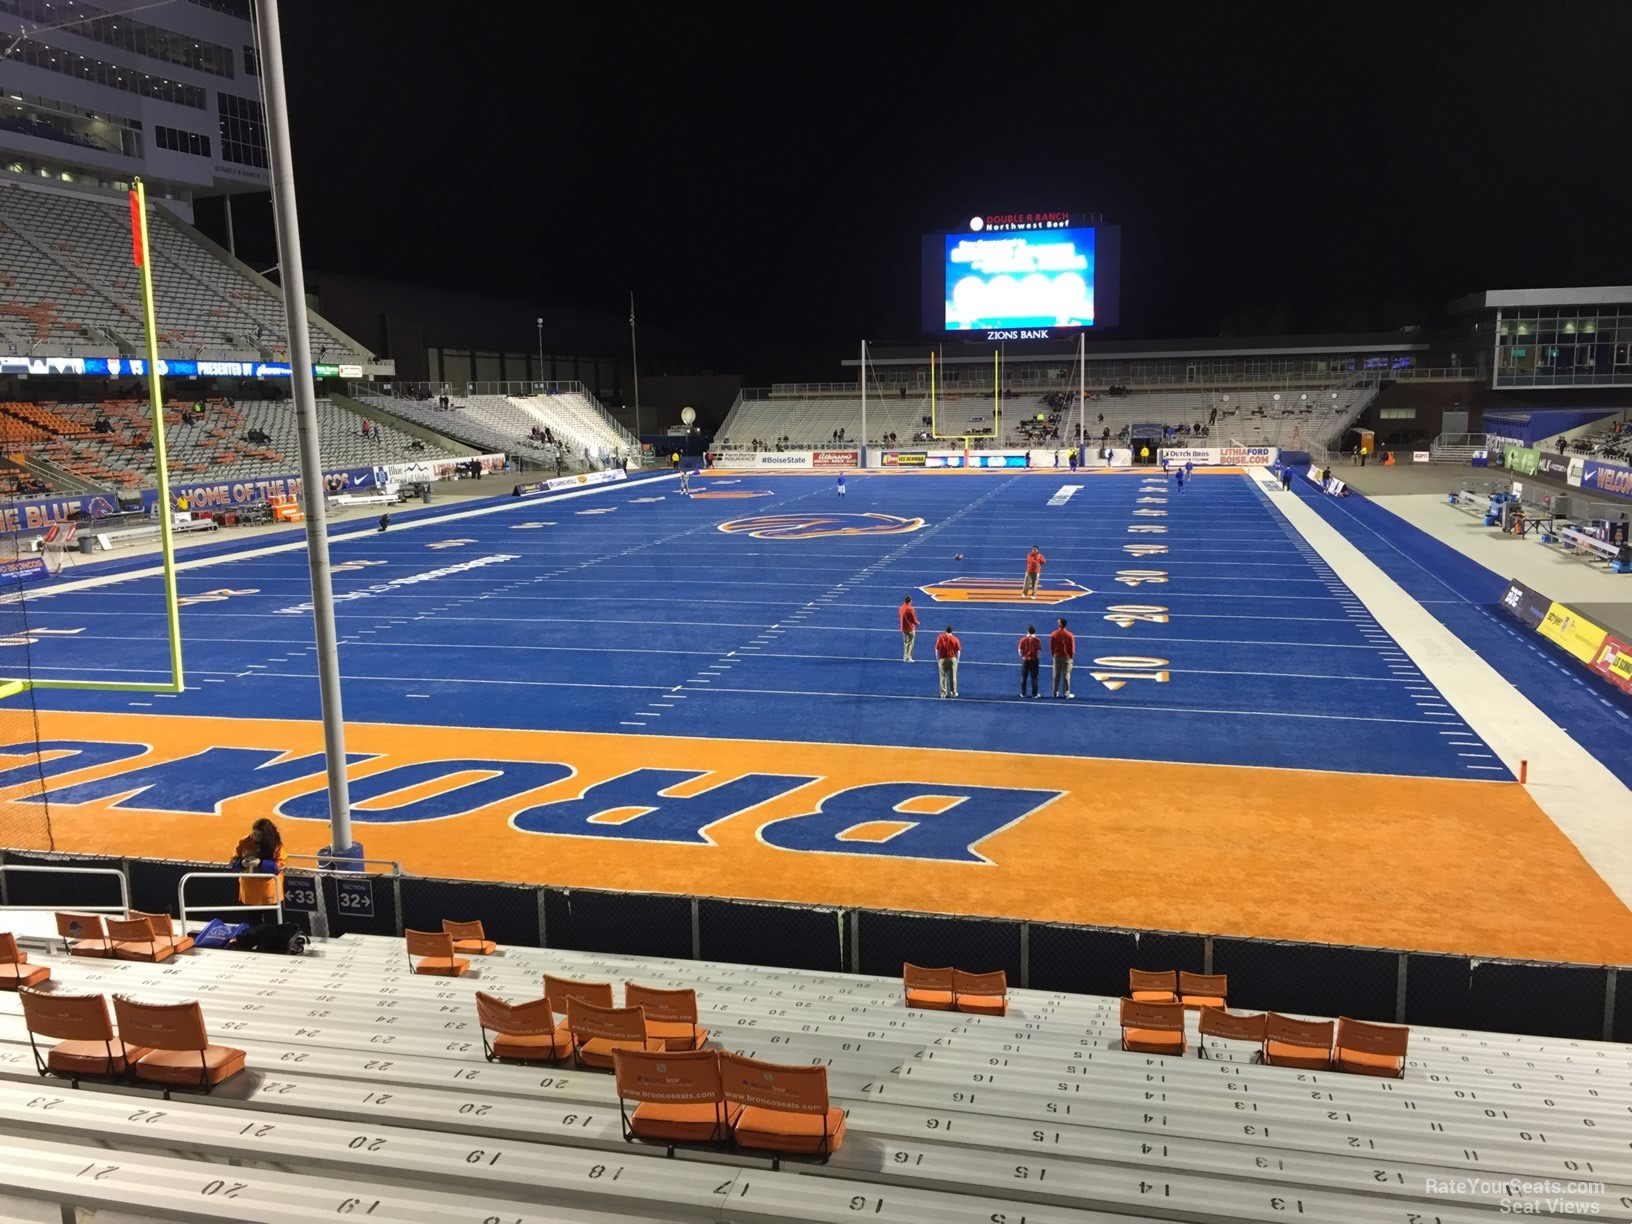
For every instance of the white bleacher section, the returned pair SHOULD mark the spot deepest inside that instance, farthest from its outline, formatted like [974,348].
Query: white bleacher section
[67,282]
[367,1093]
[505,423]
[217,448]
[1297,419]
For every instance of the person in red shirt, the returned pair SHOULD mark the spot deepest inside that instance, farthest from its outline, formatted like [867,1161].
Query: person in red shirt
[1062,646]
[909,628]
[1031,650]
[947,650]
[1034,570]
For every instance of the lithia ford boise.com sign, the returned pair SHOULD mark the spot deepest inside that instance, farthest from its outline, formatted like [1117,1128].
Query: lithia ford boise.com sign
[1222,456]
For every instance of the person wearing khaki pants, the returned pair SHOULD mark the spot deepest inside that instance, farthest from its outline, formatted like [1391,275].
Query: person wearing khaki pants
[947,650]
[909,627]
[1062,647]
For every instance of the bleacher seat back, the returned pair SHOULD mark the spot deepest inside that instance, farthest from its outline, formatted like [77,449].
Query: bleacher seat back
[1297,1043]
[588,1022]
[560,989]
[469,937]
[1148,986]
[1215,1022]
[435,950]
[67,1017]
[677,1006]
[1370,1049]
[15,971]
[787,1089]
[686,1077]
[927,989]
[985,993]
[1203,989]
[85,934]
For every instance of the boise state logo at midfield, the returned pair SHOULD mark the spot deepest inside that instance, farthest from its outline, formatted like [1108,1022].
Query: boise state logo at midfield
[815,526]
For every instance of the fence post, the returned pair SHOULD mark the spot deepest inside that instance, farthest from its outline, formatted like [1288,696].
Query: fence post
[1207,954]
[1025,956]
[1609,1003]
[1399,989]
[696,929]
[855,941]
[396,900]
[541,895]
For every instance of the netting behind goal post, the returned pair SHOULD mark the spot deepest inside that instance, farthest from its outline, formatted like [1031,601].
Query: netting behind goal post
[25,819]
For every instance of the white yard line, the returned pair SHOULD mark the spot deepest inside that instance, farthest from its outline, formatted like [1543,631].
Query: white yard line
[1584,799]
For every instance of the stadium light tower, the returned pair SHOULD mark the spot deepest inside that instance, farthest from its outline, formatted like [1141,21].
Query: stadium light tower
[287,223]
[540,348]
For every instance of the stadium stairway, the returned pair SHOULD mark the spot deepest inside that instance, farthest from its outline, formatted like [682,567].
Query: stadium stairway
[370,1081]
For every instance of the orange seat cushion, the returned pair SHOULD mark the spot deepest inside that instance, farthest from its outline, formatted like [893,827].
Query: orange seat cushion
[91,1057]
[88,947]
[13,976]
[1285,1054]
[930,1000]
[1202,1001]
[182,1066]
[702,1122]
[545,1047]
[445,966]
[676,1034]
[176,943]
[1154,996]
[1152,1041]
[984,1005]
[597,1051]
[1361,1063]
[779,1131]
[475,947]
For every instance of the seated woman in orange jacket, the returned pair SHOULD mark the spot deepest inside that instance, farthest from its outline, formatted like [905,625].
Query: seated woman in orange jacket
[261,851]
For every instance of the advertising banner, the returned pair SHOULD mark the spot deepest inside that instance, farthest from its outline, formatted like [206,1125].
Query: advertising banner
[1220,456]
[1524,605]
[24,569]
[581,481]
[905,458]
[1577,469]
[835,458]
[1422,457]
[1521,459]
[39,513]
[1572,631]
[1612,478]
[1614,662]
[1555,466]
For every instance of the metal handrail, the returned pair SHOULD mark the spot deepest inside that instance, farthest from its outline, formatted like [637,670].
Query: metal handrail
[124,886]
[181,893]
[396,867]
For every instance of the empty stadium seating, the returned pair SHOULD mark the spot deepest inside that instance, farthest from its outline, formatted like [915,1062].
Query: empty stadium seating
[67,284]
[370,1080]
[584,432]
[215,446]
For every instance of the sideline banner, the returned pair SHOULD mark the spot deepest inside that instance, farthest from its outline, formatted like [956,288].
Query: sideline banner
[905,458]
[24,569]
[40,513]
[1422,457]
[835,458]
[1525,605]
[1612,478]
[1521,459]
[1572,631]
[1220,456]
[1614,662]
[768,459]
[1556,466]
[556,483]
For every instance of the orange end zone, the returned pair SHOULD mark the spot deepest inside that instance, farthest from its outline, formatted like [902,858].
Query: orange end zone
[1412,863]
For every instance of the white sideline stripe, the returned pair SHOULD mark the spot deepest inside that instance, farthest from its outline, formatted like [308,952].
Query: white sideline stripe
[1574,789]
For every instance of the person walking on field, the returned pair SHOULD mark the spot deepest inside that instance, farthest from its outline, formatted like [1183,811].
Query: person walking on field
[1062,646]
[1034,570]
[909,628]
[947,650]
[1031,651]
[841,484]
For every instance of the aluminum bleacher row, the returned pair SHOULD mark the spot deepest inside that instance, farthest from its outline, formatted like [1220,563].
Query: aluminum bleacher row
[584,431]
[1289,417]
[213,447]
[370,1081]
[66,280]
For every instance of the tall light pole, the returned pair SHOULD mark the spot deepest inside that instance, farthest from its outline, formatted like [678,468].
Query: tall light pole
[287,223]
[634,361]
[540,348]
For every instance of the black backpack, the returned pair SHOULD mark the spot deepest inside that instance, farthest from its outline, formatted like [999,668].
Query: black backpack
[285,938]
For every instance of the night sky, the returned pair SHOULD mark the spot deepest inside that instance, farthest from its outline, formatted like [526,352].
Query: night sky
[762,187]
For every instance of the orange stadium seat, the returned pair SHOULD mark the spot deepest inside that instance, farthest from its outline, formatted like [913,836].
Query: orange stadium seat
[1220,1025]
[1203,989]
[468,937]
[782,1108]
[164,931]
[178,1050]
[598,1032]
[927,989]
[86,1043]
[671,1015]
[435,950]
[561,989]
[985,994]
[680,1096]
[1145,986]
[1298,1043]
[1153,1028]
[84,934]
[1363,1048]
[134,939]
[15,971]
[522,1032]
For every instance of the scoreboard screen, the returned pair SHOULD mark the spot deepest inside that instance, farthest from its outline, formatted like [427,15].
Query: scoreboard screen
[1028,276]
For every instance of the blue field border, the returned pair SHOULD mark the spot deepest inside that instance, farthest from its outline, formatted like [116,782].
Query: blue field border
[1464,596]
